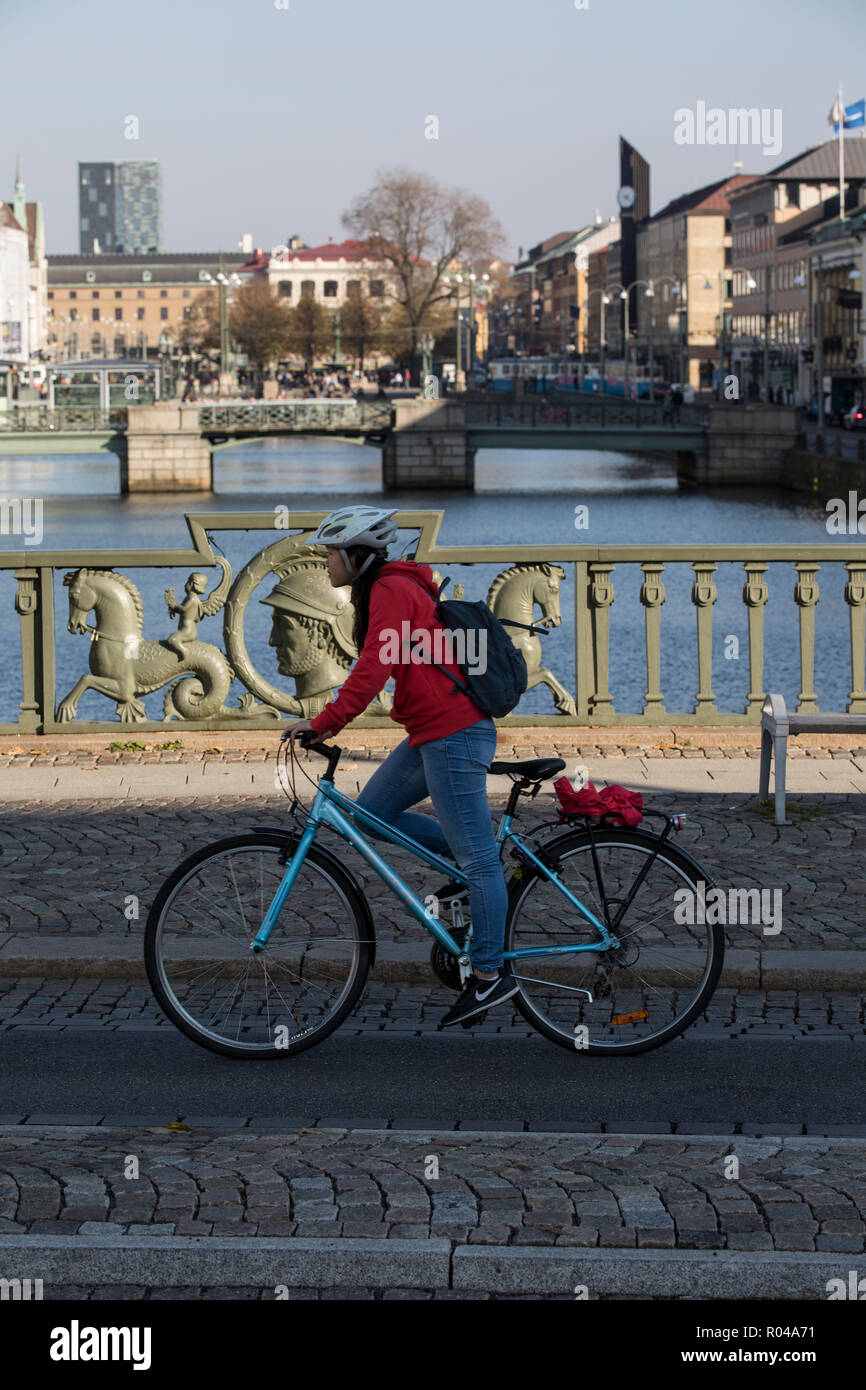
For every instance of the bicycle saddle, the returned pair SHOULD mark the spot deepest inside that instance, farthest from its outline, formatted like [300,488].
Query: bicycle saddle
[535,770]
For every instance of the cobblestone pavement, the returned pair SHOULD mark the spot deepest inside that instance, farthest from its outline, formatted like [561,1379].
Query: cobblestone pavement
[404,1010]
[69,867]
[733,1193]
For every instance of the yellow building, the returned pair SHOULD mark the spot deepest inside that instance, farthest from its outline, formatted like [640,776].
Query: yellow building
[113,305]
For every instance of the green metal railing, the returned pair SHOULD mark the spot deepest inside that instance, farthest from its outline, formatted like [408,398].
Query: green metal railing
[313,416]
[63,419]
[529,582]
[596,411]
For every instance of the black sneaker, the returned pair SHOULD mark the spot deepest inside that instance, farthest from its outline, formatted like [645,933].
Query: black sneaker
[478,996]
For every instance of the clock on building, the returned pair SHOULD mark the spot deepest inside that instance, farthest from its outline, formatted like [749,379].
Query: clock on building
[625,196]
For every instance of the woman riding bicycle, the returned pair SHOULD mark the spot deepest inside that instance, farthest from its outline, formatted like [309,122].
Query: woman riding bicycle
[450,741]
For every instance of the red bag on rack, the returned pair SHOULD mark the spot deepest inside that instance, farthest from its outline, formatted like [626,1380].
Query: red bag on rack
[618,803]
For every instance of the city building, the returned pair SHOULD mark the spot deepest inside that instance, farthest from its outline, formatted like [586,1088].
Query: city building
[115,305]
[683,255]
[835,352]
[120,207]
[773,220]
[329,273]
[14,293]
[28,217]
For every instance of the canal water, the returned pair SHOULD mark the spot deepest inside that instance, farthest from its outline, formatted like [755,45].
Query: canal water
[522,496]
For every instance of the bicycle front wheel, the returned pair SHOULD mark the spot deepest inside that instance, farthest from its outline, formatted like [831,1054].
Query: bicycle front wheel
[632,997]
[289,996]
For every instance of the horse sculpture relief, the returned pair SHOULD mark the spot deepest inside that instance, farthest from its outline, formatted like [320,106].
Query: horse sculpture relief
[514,594]
[124,666]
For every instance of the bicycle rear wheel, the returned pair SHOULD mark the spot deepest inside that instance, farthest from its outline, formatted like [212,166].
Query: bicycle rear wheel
[644,992]
[292,994]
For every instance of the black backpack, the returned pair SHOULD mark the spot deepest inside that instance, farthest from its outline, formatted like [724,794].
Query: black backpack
[497,690]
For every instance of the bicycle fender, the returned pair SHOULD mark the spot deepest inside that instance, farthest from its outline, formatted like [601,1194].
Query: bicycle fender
[650,840]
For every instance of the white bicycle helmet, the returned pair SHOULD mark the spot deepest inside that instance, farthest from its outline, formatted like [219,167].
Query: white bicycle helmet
[350,526]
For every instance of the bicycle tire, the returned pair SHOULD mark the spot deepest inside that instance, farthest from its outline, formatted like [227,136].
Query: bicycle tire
[327,864]
[554,851]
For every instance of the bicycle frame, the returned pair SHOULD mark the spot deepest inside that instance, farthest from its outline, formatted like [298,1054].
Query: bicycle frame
[331,807]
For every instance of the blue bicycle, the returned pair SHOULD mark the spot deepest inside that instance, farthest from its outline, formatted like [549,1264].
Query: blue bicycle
[260,944]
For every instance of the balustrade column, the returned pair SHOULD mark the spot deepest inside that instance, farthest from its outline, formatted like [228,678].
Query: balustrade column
[601,597]
[755,596]
[806,595]
[27,607]
[652,596]
[704,595]
[855,597]
[584,666]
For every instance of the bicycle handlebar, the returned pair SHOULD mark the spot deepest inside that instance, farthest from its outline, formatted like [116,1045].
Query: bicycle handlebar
[314,744]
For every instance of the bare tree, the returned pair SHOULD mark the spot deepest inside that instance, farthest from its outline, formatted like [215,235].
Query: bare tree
[360,324]
[309,330]
[419,229]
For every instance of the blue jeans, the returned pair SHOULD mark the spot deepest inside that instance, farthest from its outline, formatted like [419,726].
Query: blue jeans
[452,771]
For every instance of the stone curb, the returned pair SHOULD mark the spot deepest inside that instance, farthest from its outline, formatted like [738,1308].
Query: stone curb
[430,1263]
[408,962]
[183,1261]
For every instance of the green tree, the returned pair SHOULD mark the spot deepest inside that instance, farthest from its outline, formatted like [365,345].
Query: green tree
[360,324]
[418,229]
[258,323]
[310,330]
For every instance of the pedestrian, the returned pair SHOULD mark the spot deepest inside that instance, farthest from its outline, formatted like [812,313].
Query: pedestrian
[450,743]
[189,393]
[676,405]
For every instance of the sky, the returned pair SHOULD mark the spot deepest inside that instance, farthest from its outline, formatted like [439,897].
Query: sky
[270,116]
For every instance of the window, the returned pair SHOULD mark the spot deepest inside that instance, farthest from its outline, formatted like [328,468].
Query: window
[186,294]
[94,314]
[118,314]
[140,313]
[118,294]
[163,294]
[103,209]
[147,275]
[85,224]
[353,287]
[285,289]
[73,314]
[50,294]
[377,289]
[91,195]
[330,289]
[163,313]
[85,178]
[141,294]
[186,311]
[308,287]
[94,294]
[73,294]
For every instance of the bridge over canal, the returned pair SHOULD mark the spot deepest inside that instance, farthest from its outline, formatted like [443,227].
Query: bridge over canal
[425,443]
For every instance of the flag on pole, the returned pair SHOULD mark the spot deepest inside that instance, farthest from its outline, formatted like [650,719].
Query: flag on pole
[851,116]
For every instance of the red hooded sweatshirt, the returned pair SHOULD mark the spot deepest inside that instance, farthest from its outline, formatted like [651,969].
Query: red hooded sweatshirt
[426,702]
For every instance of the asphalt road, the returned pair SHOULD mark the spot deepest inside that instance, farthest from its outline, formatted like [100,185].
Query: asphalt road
[445,1079]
